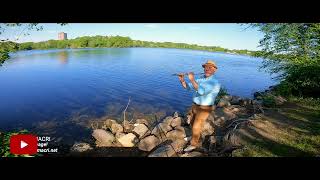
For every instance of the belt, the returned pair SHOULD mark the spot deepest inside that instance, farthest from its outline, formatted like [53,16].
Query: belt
[202,105]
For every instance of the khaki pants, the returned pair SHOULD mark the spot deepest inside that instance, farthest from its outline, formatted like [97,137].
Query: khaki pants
[198,115]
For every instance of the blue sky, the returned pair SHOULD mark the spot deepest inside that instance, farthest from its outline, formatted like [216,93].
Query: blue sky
[227,35]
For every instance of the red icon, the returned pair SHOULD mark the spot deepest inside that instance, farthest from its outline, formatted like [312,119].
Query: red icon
[23,144]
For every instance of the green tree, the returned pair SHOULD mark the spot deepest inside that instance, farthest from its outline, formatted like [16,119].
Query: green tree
[292,52]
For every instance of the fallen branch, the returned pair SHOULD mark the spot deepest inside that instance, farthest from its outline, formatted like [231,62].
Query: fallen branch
[124,112]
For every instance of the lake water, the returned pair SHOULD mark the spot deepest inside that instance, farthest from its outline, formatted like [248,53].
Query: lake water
[55,85]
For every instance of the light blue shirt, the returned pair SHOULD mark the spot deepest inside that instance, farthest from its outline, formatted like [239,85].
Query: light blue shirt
[208,89]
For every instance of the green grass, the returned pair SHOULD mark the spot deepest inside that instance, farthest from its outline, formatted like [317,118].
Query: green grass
[297,128]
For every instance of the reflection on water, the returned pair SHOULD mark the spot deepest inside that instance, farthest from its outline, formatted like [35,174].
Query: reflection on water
[37,92]
[63,57]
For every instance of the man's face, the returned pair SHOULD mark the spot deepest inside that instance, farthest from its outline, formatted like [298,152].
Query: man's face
[209,70]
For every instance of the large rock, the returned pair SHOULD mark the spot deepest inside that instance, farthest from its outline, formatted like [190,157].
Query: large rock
[212,143]
[107,123]
[223,103]
[142,121]
[176,122]
[161,129]
[207,130]
[167,120]
[119,135]
[245,102]
[148,143]
[178,133]
[80,147]
[128,140]
[116,128]
[103,138]
[169,150]
[221,115]
[127,127]
[227,97]
[235,100]
[192,154]
[141,130]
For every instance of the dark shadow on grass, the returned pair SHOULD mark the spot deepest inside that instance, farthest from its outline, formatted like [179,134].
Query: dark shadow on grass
[274,147]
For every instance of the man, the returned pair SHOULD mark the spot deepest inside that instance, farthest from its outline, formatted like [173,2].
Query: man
[205,90]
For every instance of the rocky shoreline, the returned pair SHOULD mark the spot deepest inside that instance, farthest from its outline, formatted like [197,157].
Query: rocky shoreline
[169,136]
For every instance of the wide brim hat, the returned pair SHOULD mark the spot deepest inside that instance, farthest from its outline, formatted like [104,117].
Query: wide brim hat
[210,63]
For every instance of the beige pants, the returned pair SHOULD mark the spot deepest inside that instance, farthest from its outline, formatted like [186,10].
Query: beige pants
[198,115]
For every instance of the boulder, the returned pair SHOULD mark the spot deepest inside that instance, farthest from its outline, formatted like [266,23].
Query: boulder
[207,130]
[141,130]
[178,133]
[127,127]
[103,138]
[116,128]
[161,127]
[235,100]
[119,135]
[223,103]
[212,143]
[245,102]
[148,143]
[192,154]
[227,97]
[142,121]
[221,115]
[167,120]
[107,123]
[128,140]
[80,147]
[176,122]
[169,150]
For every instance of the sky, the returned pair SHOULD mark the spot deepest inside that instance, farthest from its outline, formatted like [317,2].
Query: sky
[226,35]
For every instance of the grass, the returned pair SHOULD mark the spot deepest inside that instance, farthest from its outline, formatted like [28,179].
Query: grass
[290,130]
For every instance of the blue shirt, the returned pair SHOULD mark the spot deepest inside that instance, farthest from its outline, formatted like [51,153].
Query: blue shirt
[208,89]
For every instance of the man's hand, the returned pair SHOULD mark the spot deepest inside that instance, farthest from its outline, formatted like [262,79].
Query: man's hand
[181,77]
[191,76]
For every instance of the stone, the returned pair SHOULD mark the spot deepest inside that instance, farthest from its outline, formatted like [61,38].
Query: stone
[81,147]
[128,140]
[167,120]
[221,115]
[161,127]
[107,123]
[235,100]
[245,102]
[119,135]
[169,150]
[103,138]
[141,130]
[227,97]
[127,127]
[207,129]
[192,154]
[176,134]
[148,143]
[142,121]
[223,103]
[188,131]
[212,143]
[176,122]
[116,128]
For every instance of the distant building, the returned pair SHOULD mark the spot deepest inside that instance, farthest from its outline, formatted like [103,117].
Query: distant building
[62,36]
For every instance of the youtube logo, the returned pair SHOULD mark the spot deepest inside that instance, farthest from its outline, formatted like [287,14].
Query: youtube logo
[23,144]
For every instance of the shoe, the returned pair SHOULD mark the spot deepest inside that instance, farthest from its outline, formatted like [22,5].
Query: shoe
[189,148]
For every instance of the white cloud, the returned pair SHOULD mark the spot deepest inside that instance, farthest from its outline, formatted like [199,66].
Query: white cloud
[151,26]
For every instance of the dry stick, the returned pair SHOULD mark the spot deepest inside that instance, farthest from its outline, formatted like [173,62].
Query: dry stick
[124,112]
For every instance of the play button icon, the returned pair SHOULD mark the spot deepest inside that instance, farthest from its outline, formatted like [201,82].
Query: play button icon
[23,144]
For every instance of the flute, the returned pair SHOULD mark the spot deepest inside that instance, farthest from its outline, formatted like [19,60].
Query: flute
[177,74]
